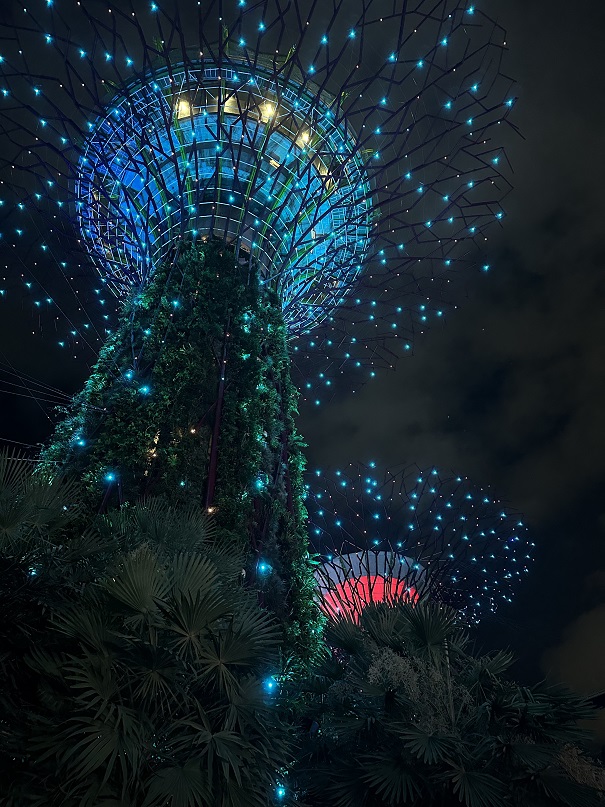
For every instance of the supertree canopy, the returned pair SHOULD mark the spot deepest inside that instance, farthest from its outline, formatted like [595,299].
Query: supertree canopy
[412,532]
[265,188]
[352,152]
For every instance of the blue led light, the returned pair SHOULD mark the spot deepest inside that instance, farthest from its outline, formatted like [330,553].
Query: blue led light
[435,534]
[270,684]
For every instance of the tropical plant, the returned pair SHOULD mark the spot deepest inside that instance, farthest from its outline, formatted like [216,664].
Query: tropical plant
[402,712]
[134,664]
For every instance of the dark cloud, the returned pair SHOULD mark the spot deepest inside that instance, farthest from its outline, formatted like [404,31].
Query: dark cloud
[579,659]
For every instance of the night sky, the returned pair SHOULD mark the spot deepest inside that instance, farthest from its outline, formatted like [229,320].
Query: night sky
[511,391]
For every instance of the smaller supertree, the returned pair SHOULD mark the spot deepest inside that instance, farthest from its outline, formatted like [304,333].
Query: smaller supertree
[411,532]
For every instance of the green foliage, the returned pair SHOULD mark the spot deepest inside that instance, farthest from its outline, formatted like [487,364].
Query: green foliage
[132,661]
[203,317]
[147,410]
[402,712]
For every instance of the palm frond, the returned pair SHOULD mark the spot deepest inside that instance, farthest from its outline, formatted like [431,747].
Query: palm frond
[429,626]
[88,626]
[15,470]
[532,756]
[189,573]
[430,748]
[140,582]
[392,779]
[345,634]
[179,786]
[477,788]
[89,746]
[188,618]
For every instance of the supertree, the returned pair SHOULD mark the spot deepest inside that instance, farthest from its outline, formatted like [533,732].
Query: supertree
[409,533]
[276,193]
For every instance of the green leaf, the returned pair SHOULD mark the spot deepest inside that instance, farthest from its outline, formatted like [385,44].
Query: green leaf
[179,786]
[140,582]
[394,780]
[429,626]
[533,756]
[191,573]
[477,788]
[187,619]
[345,634]
[430,748]
[85,625]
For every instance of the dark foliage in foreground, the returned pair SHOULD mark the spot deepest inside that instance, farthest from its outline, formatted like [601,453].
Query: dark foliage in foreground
[403,712]
[132,672]
[131,669]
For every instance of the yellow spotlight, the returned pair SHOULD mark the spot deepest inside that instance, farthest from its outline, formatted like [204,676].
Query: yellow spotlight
[230,105]
[305,137]
[267,111]
[183,108]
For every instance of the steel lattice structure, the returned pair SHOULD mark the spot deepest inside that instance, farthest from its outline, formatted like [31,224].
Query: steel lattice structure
[352,151]
[411,532]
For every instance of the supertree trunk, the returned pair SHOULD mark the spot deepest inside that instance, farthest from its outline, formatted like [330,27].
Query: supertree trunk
[191,400]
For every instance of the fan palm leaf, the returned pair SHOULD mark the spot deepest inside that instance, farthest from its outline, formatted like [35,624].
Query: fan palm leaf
[139,583]
[179,786]
[391,778]
[477,788]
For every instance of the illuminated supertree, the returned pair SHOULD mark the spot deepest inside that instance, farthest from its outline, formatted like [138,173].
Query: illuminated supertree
[413,532]
[262,186]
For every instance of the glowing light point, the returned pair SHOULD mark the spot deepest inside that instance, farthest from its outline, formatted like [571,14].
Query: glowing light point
[365,570]
[270,685]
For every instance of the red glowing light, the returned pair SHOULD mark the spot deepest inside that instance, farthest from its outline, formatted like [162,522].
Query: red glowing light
[350,597]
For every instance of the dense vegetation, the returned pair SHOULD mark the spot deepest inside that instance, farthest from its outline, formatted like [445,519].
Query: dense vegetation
[191,400]
[137,670]
[404,712]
